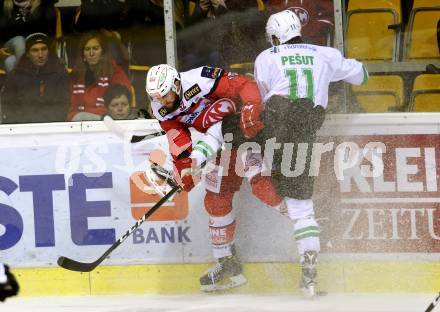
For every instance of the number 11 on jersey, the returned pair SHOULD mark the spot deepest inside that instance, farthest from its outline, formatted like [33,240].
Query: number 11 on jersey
[294,83]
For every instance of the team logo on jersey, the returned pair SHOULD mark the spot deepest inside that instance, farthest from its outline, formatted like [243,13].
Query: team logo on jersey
[191,92]
[303,15]
[274,50]
[211,72]
[163,111]
[217,111]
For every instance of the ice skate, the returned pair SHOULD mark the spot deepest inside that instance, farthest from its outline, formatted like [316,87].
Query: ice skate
[225,274]
[308,278]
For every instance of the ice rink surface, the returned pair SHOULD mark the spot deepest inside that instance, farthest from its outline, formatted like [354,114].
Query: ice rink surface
[224,303]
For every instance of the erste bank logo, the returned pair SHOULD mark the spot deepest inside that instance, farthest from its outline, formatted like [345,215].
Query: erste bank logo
[143,196]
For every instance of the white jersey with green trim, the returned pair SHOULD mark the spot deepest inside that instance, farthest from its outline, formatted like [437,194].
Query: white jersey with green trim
[304,71]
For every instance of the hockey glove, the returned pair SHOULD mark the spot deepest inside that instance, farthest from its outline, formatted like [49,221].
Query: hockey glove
[9,287]
[185,179]
[250,122]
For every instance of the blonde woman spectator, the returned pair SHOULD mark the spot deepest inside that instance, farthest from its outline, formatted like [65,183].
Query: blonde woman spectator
[19,19]
[94,72]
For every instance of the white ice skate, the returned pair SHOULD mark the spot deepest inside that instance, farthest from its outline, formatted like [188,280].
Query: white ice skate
[308,278]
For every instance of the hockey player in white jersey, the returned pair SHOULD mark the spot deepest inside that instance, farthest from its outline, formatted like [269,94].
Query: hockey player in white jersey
[293,78]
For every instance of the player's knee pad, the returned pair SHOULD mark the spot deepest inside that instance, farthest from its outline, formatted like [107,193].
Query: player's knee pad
[264,190]
[218,205]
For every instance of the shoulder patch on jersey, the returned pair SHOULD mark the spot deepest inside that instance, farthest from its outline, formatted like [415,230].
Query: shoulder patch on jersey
[191,92]
[274,50]
[163,111]
[211,72]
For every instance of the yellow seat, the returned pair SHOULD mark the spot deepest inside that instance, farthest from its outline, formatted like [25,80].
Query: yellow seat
[376,4]
[367,30]
[421,34]
[425,96]
[380,94]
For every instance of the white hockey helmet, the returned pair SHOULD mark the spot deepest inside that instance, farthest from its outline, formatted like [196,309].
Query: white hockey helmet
[160,80]
[284,25]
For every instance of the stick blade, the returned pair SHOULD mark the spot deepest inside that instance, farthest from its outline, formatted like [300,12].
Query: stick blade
[139,138]
[72,265]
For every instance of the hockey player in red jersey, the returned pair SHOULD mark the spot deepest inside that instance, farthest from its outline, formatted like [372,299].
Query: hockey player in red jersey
[200,98]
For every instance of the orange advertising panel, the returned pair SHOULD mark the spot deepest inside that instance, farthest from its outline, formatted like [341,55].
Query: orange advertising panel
[143,196]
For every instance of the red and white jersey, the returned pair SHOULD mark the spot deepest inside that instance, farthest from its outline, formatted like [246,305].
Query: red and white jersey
[304,71]
[208,95]
[196,84]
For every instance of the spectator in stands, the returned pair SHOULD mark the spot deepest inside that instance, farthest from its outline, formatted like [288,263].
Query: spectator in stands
[94,72]
[231,32]
[37,90]
[108,17]
[117,99]
[317,18]
[20,18]
[215,8]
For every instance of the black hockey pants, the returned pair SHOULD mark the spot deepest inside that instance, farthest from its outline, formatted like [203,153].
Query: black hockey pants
[291,121]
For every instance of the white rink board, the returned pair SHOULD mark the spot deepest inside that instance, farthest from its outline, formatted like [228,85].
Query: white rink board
[35,158]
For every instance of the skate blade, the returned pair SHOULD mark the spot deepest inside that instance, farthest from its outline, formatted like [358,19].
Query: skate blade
[231,282]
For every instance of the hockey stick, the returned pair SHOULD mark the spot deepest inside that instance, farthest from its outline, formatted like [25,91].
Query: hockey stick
[117,129]
[166,175]
[433,304]
[74,265]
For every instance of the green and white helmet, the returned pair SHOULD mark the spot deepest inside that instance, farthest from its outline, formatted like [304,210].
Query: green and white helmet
[160,80]
[284,25]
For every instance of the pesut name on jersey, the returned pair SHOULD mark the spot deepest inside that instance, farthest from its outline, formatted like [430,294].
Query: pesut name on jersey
[297,59]
[191,92]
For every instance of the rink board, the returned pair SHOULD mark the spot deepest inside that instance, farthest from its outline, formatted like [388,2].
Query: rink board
[335,276]
[75,187]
